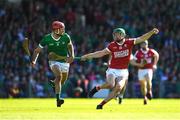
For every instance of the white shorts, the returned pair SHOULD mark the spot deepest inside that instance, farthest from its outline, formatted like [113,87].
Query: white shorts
[118,73]
[63,67]
[145,74]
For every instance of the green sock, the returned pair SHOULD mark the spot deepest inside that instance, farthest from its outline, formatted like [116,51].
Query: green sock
[57,96]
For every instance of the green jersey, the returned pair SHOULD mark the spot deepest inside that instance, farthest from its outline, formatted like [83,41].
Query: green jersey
[58,46]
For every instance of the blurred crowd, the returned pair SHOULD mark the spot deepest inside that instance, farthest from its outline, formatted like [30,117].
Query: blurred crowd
[90,24]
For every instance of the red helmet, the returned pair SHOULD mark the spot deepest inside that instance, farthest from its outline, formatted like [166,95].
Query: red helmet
[57,25]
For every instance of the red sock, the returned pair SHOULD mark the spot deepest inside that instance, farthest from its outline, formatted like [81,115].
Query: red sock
[98,88]
[103,102]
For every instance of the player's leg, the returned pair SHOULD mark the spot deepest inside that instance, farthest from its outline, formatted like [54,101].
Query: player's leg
[121,93]
[110,82]
[149,84]
[142,76]
[64,77]
[57,81]
[118,88]
[143,89]
[149,89]
[120,84]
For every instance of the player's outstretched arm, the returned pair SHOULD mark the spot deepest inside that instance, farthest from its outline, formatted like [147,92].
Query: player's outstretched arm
[97,54]
[35,56]
[146,36]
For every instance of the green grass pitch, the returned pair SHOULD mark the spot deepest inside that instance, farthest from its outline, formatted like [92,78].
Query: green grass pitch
[84,109]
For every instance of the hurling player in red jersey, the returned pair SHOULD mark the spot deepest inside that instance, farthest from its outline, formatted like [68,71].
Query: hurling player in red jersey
[117,73]
[145,74]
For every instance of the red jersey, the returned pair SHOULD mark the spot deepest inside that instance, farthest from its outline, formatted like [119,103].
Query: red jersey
[120,54]
[148,56]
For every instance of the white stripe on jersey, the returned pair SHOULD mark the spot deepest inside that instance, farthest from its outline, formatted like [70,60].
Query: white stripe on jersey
[41,46]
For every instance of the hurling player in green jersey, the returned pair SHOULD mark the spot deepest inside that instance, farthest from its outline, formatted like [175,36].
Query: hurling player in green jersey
[57,42]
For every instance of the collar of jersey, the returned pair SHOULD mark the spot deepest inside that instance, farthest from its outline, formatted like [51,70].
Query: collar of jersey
[55,38]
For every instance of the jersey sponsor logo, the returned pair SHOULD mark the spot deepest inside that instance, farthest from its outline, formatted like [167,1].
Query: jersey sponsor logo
[120,54]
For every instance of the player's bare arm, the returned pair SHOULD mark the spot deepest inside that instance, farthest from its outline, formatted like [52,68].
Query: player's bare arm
[156,59]
[134,63]
[35,56]
[146,36]
[97,54]
[71,53]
